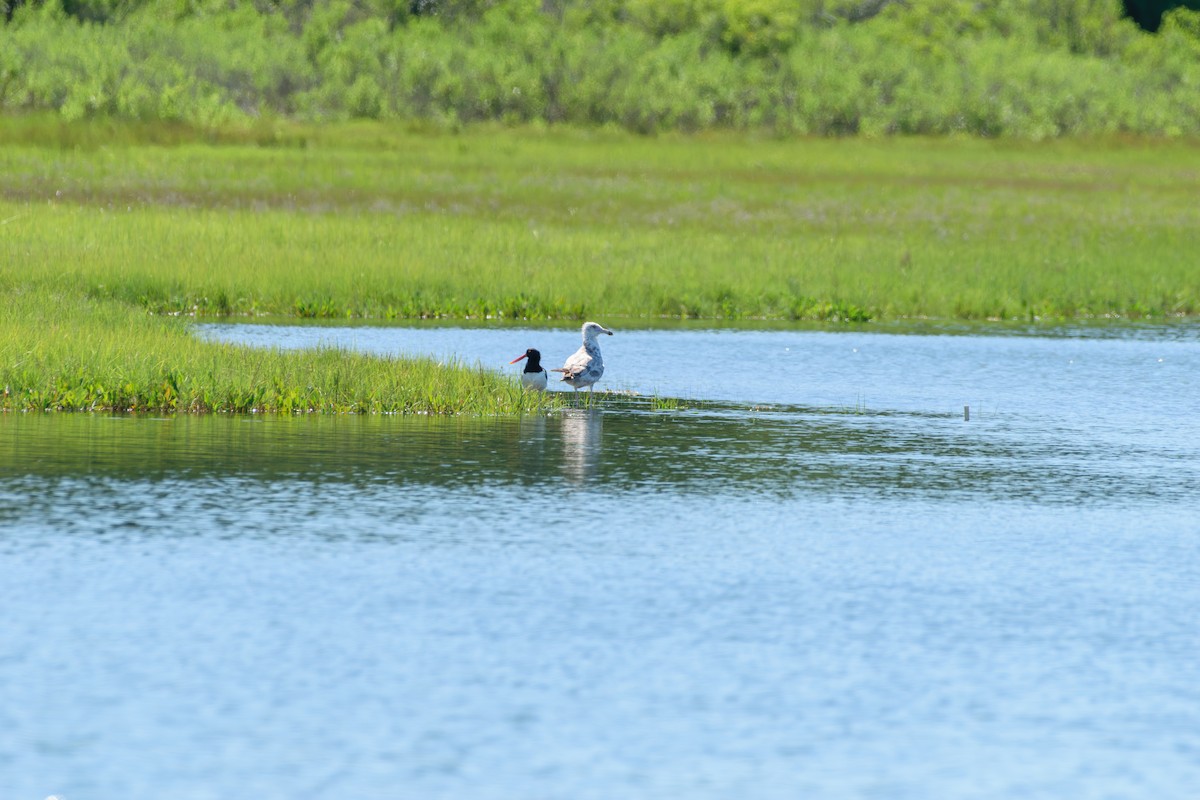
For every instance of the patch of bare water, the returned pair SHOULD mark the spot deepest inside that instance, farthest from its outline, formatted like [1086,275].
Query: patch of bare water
[818,580]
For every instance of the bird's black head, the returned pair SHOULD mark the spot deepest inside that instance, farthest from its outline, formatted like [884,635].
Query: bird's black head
[533,361]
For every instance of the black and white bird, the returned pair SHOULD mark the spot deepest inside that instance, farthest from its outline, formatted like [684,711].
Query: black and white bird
[534,375]
[586,366]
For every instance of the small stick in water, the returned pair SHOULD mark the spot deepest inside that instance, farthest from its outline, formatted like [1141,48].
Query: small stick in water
[966,413]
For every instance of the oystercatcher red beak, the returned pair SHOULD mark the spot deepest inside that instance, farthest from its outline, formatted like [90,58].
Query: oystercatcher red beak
[518,358]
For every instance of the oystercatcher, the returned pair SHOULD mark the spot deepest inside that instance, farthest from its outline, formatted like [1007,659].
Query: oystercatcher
[534,375]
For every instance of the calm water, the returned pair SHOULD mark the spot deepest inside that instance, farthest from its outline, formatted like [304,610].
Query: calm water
[827,585]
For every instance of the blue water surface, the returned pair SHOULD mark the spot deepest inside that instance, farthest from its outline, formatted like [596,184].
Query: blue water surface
[828,584]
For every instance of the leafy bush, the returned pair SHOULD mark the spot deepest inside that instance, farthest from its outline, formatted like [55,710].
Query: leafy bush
[1029,68]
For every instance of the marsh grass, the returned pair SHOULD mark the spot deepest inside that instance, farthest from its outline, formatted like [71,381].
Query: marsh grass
[378,222]
[88,355]
[660,403]
[371,221]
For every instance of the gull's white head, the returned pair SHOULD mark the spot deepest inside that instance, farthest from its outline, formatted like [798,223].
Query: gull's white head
[593,329]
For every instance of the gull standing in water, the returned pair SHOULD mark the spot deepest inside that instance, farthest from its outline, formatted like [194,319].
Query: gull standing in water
[586,366]
[534,375]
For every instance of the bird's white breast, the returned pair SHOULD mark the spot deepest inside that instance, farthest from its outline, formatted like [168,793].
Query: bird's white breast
[534,380]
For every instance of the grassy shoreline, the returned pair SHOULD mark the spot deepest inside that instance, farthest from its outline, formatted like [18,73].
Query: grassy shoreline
[67,353]
[380,222]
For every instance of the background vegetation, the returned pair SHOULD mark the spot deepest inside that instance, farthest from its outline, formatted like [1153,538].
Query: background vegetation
[364,220]
[1026,68]
[215,157]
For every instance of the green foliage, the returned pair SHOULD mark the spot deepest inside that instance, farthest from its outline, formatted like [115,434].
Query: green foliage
[1085,27]
[71,353]
[370,221]
[671,17]
[759,27]
[1181,28]
[1023,68]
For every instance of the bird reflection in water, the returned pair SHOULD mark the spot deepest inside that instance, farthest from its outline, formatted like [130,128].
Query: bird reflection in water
[581,432]
[533,449]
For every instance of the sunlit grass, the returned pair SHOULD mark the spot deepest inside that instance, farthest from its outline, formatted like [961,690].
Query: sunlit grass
[568,225]
[100,224]
[659,403]
[59,352]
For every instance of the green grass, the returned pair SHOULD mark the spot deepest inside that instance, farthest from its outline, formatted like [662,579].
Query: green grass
[666,403]
[372,221]
[62,352]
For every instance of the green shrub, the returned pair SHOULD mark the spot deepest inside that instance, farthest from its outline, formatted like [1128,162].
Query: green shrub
[1027,68]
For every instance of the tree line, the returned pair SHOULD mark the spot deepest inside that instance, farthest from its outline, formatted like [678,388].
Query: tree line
[1027,68]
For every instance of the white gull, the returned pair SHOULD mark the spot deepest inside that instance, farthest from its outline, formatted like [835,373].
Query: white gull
[586,366]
